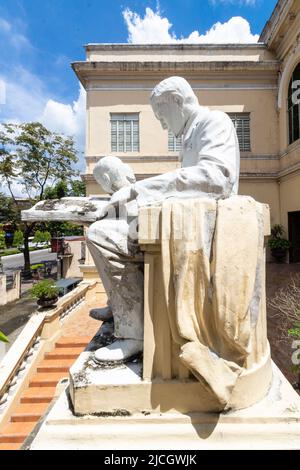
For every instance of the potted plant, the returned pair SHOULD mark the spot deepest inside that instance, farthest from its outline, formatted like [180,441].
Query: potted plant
[277,243]
[37,270]
[46,292]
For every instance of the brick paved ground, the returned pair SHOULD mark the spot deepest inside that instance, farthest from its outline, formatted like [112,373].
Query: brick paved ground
[278,275]
[82,325]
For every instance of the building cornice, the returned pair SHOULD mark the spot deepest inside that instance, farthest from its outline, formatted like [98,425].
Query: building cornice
[156,66]
[163,158]
[167,47]
[276,19]
[89,70]
[291,148]
[112,86]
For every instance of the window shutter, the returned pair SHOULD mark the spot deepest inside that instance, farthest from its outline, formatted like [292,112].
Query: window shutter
[125,132]
[241,123]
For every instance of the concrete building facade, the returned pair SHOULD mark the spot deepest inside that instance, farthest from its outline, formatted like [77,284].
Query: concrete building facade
[255,83]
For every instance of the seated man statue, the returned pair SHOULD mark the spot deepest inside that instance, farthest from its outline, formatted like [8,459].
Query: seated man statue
[112,174]
[209,168]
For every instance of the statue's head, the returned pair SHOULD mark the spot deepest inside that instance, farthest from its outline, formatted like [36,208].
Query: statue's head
[112,174]
[172,102]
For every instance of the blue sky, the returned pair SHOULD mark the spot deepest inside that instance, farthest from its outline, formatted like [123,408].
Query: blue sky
[39,39]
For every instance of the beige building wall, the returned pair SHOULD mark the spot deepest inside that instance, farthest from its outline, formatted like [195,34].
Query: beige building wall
[289,196]
[233,78]
[267,191]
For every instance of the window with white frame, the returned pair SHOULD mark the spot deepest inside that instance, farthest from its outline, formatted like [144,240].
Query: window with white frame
[174,144]
[241,123]
[294,105]
[125,135]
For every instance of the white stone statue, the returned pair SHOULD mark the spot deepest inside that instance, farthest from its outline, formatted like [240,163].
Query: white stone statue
[112,174]
[209,168]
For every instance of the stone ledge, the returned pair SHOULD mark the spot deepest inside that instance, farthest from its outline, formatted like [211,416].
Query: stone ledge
[273,423]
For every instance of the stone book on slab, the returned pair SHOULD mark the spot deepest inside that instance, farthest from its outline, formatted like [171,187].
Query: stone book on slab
[73,209]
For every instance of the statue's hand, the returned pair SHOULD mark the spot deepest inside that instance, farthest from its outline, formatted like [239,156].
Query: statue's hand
[122,196]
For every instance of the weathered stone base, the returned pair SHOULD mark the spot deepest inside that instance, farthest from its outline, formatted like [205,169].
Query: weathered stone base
[94,390]
[273,423]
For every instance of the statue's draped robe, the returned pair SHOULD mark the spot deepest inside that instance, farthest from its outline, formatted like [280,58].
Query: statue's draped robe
[210,161]
[210,284]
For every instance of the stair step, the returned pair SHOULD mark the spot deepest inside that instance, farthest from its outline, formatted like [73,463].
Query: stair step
[16,432]
[10,446]
[73,341]
[52,365]
[38,395]
[64,353]
[47,379]
[29,412]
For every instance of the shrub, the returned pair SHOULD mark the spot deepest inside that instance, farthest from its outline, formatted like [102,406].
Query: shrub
[45,289]
[33,267]
[281,243]
[277,243]
[286,305]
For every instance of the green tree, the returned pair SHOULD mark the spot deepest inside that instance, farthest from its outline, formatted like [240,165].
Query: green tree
[60,189]
[75,188]
[34,157]
[18,239]
[47,236]
[2,240]
[41,237]
[8,211]
[38,238]
[63,188]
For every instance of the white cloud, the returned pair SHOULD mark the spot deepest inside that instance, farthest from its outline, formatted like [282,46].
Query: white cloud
[150,29]
[153,28]
[66,118]
[28,100]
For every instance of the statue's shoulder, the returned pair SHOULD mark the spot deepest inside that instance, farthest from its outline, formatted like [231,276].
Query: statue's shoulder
[218,115]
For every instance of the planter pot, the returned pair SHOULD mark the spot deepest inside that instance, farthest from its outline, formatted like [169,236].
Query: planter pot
[279,254]
[47,302]
[35,275]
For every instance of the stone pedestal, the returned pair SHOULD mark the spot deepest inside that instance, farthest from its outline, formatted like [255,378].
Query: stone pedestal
[273,423]
[161,382]
[155,402]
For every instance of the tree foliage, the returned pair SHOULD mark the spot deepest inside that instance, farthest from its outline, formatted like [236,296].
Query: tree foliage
[8,210]
[31,158]
[18,239]
[41,237]
[2,240]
